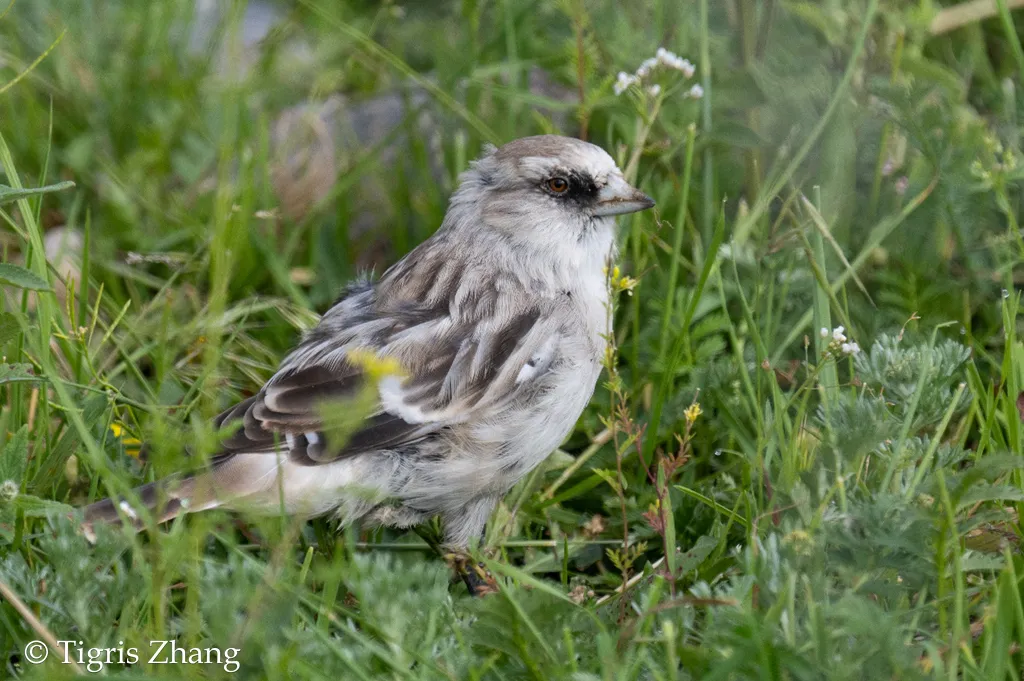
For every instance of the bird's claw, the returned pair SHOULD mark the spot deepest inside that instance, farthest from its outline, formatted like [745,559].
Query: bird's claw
[479,581]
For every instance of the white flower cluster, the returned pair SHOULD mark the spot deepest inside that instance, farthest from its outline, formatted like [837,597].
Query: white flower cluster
[9,490]
[665,59]
[840,341]
[624,82]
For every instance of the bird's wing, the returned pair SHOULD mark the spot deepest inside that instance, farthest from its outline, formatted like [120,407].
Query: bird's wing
[455,371]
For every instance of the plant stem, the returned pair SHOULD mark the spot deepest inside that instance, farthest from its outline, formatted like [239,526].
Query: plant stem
[677,245]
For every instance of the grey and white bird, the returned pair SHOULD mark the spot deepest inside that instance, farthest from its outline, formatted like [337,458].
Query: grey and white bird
[498,322]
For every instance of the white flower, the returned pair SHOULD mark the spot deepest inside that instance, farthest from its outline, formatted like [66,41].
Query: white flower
[645,68]
[837,334]
[654,90]
[824,332]
[623,82]
[9,490]
[850,348]
[662,57]
[674,61]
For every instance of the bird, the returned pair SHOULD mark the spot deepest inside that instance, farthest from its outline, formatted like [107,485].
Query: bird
[497,324]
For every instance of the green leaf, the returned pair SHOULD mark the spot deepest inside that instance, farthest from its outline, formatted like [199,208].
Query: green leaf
[608,477]
[697,554]
[9,327]
[973,561]
[36,507]
[982,493]
[14,456]
[22,278]
[15,372]
[10,194]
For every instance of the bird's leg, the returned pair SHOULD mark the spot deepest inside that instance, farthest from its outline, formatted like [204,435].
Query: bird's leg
[469,521]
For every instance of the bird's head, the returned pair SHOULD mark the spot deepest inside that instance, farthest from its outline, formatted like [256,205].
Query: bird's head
[548,191]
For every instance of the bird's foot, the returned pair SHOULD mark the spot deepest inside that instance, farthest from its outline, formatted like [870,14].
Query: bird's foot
[478,579]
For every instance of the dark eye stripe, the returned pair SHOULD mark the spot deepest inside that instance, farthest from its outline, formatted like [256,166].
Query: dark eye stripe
[582,185]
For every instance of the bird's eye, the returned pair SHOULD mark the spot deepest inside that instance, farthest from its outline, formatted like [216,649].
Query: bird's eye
[557,185]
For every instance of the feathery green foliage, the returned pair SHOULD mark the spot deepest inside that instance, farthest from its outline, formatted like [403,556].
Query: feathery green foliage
[748,496]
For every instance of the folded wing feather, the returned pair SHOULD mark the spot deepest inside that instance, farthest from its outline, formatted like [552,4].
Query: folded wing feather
[473,368]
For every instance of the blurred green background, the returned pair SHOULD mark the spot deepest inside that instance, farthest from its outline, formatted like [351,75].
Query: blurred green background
[745,498]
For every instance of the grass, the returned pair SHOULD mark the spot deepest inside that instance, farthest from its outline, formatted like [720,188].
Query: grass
[741,500]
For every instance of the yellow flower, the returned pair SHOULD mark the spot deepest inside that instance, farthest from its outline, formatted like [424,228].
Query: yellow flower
[375,366]
[693,412]
[619,282]
[801,541]
[132,446]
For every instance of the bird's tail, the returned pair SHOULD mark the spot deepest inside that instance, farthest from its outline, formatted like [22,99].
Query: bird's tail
[165,499]
[231,479]
[254,481]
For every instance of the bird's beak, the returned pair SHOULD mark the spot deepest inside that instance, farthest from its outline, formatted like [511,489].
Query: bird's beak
[619,197]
